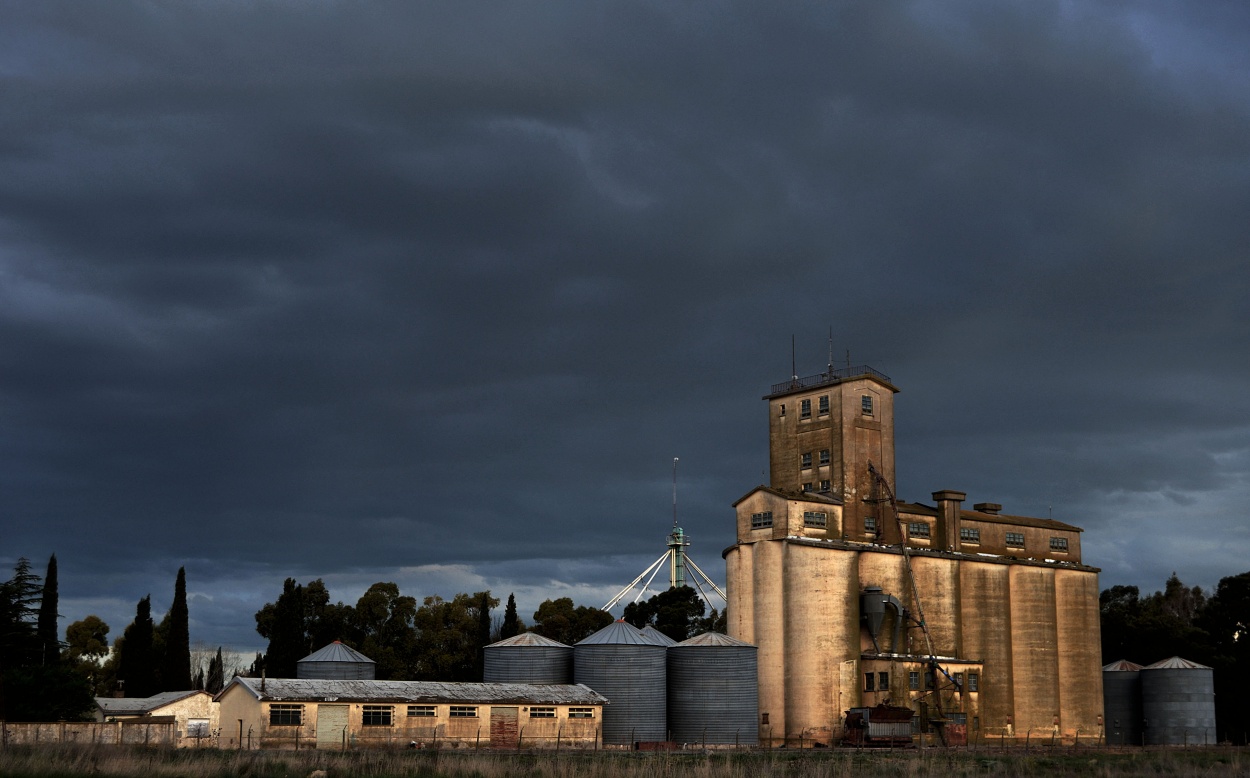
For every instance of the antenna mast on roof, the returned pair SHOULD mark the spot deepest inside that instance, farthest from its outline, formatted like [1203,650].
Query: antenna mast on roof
[831,351]
[674,493]
[794,370]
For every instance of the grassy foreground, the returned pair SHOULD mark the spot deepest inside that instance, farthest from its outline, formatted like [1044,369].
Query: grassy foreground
[54,761]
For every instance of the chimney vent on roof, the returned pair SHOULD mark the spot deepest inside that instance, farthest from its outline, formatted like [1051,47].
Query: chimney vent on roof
[991,508]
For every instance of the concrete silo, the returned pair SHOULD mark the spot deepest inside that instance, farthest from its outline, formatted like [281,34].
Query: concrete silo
[528,658]
[713,691]
[628,668]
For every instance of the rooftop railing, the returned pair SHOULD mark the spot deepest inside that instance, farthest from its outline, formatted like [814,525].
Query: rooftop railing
[827,377]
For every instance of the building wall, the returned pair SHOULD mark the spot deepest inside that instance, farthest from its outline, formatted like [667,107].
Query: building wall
[237,704]
[200,706]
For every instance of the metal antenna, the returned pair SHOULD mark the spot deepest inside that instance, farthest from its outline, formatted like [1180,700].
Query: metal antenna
[794,371]
[848,359]
[831,350]
[674,492]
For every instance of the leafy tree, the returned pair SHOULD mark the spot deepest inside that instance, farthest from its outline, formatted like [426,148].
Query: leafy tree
[137,667]
[1226,619]
[87,639]
[448,637]
[49,634]
[19,598]
[215,681]
[511,624]
[677,612]
[48,693]
[300,622]
[484,601]
[176,672]
[384,630]
[560,620]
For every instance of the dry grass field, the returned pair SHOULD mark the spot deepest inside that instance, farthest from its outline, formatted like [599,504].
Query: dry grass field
[54,761]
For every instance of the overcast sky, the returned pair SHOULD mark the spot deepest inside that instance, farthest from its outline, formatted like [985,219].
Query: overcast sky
[434,292]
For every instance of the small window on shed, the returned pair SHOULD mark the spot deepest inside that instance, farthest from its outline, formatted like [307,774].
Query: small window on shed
[462,711]
[1059,544]
[542,713]
[283,714]
[377,715]
[581,713]
[421,710]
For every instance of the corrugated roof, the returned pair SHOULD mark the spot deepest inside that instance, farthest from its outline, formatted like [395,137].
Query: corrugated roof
[714,639]
[138,706]
[319,690]
[920,509]
[1122,666]
[337,652]
[619,633]
[658,637]
[1175,663]
[528,639]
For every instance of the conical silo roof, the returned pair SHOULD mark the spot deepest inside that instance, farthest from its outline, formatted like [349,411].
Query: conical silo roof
[528,639]
[714,639]
[337,652]
[1175,663]
[658,637]
[1122,666]
[619,633]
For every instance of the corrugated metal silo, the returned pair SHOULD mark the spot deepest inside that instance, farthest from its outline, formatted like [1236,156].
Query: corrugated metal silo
[528,658]
[1178,703]
[628,668]
[713,691]
[336,662]
[1121,695]
[658,637]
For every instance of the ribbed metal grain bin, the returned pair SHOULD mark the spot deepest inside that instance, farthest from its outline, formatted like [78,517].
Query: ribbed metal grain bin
[658,637]
[528,658]
[1121,697]
[1178,703]
[336,662]
[713,691]
[628,668]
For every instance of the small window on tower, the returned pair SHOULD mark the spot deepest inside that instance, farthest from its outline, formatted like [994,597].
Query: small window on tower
[806,460]
[783,409]
[883,681]
[870,524]
[1015,540]
[1059,544]
[974,682]
[805,409]
[866,403]
[918,529]
[869,679]
[825,485]
[824,456]
[913,680]
[807,487]
[761,520]
[824,404]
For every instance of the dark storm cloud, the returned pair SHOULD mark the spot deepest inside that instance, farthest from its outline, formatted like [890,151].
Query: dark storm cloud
[435,293]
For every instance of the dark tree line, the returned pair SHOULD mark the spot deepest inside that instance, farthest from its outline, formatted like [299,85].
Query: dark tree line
[35,684]
[1183,621]
[677,612]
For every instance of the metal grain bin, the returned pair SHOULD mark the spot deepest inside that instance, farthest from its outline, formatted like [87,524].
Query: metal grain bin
[713,691]
[528,658]
[1122,710]
[336,662]
[658,637]
[1178,703]
[628,668]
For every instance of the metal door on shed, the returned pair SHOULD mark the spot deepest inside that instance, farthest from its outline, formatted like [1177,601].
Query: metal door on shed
[331,726]
[503,727]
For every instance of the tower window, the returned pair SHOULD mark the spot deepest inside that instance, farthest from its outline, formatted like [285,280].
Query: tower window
[870,524]
[969,535]
[805,409]
[824,404]
[1059,544]
[824,456]
[807,487]
[824,485]
[1015,539]
[974,682]
[869,679]
[761,520]
[866,404]
[783,409]
[806,460]
[913,680]
[815,519]
[918,529]
[883,681]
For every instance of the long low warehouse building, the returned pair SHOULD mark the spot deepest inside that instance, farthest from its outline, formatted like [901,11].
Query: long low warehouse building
[340,714]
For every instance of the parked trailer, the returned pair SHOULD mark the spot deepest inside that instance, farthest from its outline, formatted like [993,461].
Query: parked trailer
[885,726]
